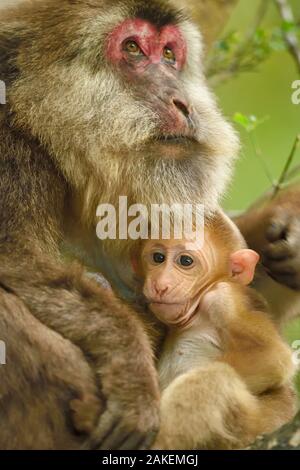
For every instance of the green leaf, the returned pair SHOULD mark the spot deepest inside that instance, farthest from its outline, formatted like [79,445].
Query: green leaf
[249,123]
[243,120]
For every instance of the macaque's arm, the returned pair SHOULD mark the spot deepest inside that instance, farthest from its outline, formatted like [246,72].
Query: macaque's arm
[258,353]
[222,413]
[272,228]
[251,343]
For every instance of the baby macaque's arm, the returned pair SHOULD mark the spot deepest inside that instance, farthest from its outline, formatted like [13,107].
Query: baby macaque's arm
[251,343]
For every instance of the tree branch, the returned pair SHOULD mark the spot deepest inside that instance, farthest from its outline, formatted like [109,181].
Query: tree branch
[286,14]
[234,67]
[287,438]
[260,15]
[210,15]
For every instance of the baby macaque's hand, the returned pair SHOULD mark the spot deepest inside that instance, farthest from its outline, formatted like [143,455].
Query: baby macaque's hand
[86,413]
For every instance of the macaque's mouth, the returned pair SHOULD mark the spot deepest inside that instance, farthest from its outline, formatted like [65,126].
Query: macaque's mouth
[172,314]
[175,139]
[176,147]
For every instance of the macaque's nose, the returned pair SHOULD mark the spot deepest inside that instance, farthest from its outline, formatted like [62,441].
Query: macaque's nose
[160,288]
[182,106]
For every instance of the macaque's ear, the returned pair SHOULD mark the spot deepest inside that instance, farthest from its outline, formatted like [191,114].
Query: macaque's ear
[243,264]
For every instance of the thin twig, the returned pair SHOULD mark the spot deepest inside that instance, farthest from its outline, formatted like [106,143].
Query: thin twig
[233,68]
[291,39]
[260,14]
[287,166]
[259,156]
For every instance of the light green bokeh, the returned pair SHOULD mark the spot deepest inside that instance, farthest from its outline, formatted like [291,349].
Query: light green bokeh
[265,92]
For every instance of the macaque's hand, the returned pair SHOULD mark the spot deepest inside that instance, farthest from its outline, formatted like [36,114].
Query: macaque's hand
[122,427]
[130,420]
[131,428]
[281,257]
[86,413]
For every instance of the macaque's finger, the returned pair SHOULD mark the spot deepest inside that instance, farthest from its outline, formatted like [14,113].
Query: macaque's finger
[281,258]
[148,441]
[278,227]
[280,267]
[290,280]
[115,439]
[133,442]
[138,442]
[106,426]
[293,237]
[123,438]
[278,251]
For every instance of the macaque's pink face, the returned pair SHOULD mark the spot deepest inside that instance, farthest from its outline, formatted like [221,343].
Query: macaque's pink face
[152,60]
[178,274]
[175,274]
[139,43]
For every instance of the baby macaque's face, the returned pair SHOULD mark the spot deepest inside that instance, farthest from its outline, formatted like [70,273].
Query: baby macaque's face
[178,273]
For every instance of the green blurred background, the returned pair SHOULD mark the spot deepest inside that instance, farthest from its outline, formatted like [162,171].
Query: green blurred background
[264,92]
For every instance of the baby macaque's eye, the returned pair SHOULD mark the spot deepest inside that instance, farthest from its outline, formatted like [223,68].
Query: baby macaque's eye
[186,261]
[159,258]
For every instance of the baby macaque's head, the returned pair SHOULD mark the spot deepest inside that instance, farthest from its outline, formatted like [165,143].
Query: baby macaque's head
[178,273]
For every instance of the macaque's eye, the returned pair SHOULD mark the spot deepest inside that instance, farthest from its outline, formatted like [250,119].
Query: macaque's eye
[132,48]
[169,55]
[159,258]
[185,261]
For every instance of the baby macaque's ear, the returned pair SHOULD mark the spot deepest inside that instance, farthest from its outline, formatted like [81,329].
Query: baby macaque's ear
[243,264]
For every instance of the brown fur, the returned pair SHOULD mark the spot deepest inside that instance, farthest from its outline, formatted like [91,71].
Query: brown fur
[74,134]
[66,145]
[223,413]
[225,365]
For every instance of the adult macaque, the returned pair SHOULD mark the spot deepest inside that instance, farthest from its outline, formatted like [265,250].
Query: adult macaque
[103,98]
[218,330]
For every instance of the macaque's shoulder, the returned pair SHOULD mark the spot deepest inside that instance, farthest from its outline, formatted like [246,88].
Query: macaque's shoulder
[230,303]
[231,294]
[254,300]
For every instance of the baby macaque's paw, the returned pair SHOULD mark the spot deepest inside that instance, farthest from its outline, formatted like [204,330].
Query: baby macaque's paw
[85,413]
[281,257]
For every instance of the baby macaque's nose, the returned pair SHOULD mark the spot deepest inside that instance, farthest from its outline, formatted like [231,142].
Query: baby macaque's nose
[160,288]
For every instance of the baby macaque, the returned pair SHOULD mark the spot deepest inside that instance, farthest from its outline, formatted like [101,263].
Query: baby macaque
[220,339]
